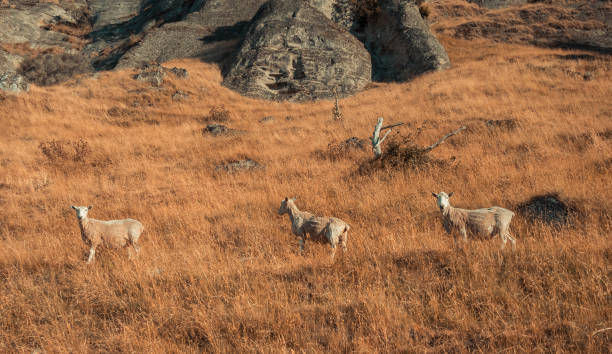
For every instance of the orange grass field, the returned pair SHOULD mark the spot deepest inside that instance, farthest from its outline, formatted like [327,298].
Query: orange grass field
[219,269]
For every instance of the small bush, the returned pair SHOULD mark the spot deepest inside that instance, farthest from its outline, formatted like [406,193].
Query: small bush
[548,209]
[50,69]
[400,155]
[59,151]
[343,149]
[217,114]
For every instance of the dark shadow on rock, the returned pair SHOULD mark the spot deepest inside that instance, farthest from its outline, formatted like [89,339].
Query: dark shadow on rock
[150,10]
[224,33]
[165,11]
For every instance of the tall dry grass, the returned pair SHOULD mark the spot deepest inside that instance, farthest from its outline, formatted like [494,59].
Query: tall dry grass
[219,269]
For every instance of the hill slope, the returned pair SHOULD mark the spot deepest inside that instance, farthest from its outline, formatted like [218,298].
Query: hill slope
[219,270]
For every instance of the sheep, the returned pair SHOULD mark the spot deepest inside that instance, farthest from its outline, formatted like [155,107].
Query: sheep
[115,233]
[320,229]
[485,222]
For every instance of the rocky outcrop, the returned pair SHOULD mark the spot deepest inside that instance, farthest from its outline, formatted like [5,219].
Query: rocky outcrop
[293,52]
[400,42]
[213,34]
[23,33]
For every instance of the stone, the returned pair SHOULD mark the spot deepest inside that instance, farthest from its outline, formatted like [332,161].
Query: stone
[293,52]
[154,76]
[239,166]
[12,82]
[401,43]
[267,119]
[179,72]
[180,95]
[215,129]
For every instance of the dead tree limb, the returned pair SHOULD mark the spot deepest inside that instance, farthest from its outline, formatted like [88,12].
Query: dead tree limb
[376,140]
[436,144]
[392,126]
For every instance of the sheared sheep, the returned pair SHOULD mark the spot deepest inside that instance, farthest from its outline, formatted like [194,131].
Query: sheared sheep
[321,229]
[115,233]
[485,222]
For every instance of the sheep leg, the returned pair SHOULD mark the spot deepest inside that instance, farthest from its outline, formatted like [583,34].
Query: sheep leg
[464,234]
[344,240]
[333,252]
[301,245]
[92,253]
[512,241]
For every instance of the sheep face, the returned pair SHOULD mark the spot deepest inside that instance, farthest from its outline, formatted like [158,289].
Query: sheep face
[81,211]
[443,199]
[285,205]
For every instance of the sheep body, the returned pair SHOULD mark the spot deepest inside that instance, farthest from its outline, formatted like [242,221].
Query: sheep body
[114,233]
[487,222]
[321,229]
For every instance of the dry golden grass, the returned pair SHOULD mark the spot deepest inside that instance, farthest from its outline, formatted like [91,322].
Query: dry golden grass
[219,269]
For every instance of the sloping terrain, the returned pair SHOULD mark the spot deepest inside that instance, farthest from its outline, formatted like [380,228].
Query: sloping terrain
[219,269]
[565,24]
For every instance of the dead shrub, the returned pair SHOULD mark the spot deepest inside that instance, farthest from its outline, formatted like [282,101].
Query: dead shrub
[605,134]
[400,154]
[575,142]
[548,209]
[61,151]
[49,69]
[217,114]
[343,149]
[502,124]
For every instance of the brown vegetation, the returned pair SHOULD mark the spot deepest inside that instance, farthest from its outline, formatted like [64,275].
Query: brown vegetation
[219,270]
[49,69]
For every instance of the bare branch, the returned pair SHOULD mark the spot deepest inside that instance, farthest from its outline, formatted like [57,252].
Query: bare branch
[436,144]
[392,126]
[376,138]
[385,136]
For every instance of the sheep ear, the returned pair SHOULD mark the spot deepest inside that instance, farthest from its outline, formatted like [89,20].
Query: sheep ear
[434,194]
[451,194]
[293,199]
[89,207]
[73,207]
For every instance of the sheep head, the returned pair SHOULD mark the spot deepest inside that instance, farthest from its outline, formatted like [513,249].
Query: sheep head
[443,199]
[81,211]
[285,205]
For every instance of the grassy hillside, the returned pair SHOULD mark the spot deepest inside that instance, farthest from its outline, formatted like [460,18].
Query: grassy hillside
[219,270]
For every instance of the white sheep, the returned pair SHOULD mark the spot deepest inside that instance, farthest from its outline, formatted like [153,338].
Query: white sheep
[321,229]
[486,222]
[114,233]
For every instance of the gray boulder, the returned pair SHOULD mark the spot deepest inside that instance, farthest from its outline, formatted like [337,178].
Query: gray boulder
[293,52]
[400,42]
[12,82]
